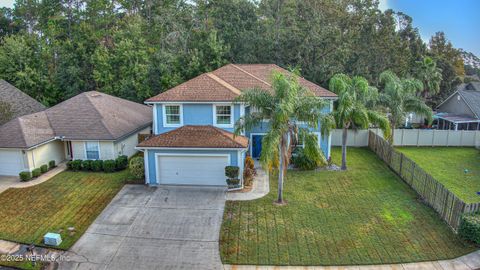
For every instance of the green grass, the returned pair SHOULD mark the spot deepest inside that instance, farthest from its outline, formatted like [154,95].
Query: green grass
[69,199]
[447,165]
[365,215]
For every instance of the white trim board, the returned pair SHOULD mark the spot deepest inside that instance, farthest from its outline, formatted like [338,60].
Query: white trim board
[185,148]
[164,115]
[232,113]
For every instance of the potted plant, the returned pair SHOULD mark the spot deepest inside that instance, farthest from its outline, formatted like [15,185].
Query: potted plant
[232,173]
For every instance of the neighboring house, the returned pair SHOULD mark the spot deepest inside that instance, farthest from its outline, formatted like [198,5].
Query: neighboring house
[91,125]
[19,103]
[193,125]
[461,110]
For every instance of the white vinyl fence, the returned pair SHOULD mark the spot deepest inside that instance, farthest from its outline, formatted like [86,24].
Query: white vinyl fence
[413,137]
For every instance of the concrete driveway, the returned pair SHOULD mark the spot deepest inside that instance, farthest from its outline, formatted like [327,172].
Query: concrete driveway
[8,181]
[169,227]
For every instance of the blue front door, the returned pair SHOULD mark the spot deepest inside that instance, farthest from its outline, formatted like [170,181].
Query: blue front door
[256,145]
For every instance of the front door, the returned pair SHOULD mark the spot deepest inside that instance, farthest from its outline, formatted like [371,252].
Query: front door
[256,145]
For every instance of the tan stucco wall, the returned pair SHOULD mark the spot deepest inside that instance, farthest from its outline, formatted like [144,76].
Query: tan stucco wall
[127,145]
[454,105]
[43,154]
[106,150]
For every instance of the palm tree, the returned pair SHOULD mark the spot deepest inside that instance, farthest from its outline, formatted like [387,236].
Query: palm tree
[430,75]
[285,107]
[353,107]
[399,98]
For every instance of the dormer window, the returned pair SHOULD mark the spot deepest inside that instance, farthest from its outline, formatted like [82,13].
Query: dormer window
[172,115]
[223,115]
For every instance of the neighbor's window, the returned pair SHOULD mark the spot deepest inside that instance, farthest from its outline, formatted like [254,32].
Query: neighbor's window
[172,115]
[223,115]
[93,150]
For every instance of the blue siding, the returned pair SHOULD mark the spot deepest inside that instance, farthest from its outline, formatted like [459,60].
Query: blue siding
[194,114]
[152,168]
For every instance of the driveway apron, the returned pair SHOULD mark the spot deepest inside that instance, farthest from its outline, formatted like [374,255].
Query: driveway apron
[170,227]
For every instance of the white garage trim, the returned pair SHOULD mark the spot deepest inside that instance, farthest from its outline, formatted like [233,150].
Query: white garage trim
[159,155]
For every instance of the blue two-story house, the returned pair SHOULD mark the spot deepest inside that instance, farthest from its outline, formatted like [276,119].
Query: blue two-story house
[193,124]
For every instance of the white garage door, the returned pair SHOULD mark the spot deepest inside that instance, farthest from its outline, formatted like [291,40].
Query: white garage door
[11,162]
[192,170]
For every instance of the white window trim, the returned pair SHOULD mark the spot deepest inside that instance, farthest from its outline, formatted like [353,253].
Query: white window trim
[165,115]
[214,106]
[85,150]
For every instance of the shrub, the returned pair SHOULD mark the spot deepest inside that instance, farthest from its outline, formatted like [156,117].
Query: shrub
[301,161]
[137,168]
[36,172]
[25,176]
[233,182]
[44,168]
[51,164]
[97,165]
[69,165]
[249,163]
[121,162]
[109,165]
[470,228]
[249,171]
[232,171]
[76,165]
[87,165]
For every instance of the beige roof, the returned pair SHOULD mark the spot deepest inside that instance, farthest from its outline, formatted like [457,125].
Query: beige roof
[88,116]
[196,137]
[20,102]
[227,82]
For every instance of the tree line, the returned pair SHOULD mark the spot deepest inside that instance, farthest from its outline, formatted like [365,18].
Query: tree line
[55,49]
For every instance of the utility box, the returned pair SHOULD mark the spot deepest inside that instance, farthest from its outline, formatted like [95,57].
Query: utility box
[52,239]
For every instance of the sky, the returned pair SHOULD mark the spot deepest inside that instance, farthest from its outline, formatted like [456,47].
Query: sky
[459,19]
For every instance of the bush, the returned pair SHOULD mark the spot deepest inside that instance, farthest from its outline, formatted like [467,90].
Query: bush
[232,171]
[137,168]
[301,161]
[233,182]
[25,176]
[69,165]
[44,168]
[97,165]
[87,165]
[36,172]
[51,164]
[249,163]
[121,162]
[470,228]
[249,171]
[76,165]
[109,165]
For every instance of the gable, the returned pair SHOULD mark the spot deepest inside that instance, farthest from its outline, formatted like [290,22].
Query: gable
[457,105]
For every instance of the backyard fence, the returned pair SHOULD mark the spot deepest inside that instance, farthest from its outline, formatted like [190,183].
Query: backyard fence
[445,203]
[412,137]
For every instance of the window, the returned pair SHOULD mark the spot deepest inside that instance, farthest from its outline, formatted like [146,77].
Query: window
[172,115]
[92,150]
[223,115]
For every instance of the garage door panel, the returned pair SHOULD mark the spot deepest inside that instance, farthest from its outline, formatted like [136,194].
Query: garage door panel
[11,162]
[192,170]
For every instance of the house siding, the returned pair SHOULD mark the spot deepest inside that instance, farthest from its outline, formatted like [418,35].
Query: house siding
[43,154]
[455,105]
[106,150]
[127,145]
[152,167]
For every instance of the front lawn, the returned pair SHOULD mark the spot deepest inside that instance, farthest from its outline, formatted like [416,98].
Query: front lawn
[69,199]
[447,165]
[365,215]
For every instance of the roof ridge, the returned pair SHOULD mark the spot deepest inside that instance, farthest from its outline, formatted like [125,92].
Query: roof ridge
[251,75]
[224,83]
[101,115]
[221,131]
[21,127]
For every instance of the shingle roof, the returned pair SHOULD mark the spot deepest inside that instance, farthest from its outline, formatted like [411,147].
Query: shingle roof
[88,116]
[196,137]
[227,82]
[471,94]
[20,102]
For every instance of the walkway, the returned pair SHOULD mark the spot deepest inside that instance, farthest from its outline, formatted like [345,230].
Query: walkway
[14,182]
[260,188]
[467,262]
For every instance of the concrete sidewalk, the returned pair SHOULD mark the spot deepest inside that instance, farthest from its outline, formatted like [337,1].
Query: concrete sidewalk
[260,188]
[468,262]
[14,181]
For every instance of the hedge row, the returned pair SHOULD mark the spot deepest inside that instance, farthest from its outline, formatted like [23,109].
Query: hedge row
[110,165]
[27,176]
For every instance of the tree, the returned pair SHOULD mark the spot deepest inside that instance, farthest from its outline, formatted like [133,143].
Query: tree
[6,112]
[430,75]
[285,108]
[353,107]
[399,98]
